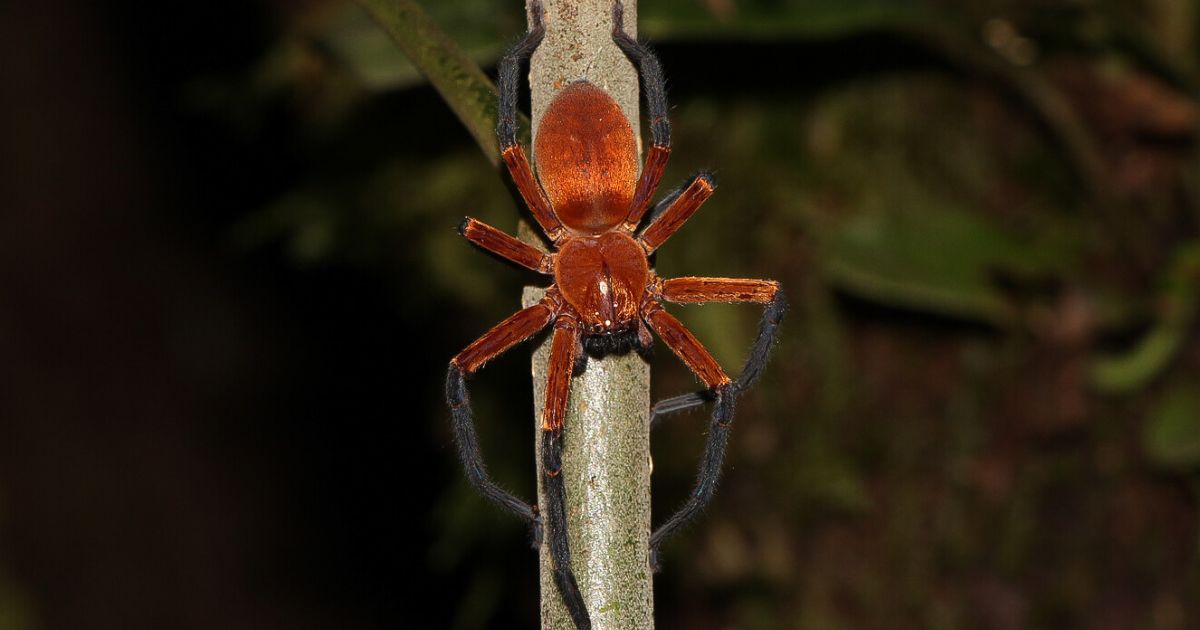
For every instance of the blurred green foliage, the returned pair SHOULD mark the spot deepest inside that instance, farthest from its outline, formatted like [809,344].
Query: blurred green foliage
[986,214]
[1173,431]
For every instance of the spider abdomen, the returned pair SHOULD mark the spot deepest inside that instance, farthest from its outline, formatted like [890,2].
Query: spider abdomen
[587,159]
[603,278]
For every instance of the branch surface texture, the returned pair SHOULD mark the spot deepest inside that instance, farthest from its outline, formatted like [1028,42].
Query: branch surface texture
[606,449]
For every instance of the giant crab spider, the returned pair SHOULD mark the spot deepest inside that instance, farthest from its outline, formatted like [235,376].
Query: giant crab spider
[589,200]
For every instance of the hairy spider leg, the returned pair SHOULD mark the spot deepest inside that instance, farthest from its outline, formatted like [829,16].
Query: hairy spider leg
[506,246]
[506,128]
[676,404]
[692,290]
[684,344]
[707,475]
[699,290]
[684,205]
[668,200]
[508,333]
[563,349]
[682,290]
[654,87]
[695,290]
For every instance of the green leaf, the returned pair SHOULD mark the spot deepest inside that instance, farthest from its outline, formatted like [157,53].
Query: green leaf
[1129,372]
[464,87]
[934,260]
[1124,373]
[480,28]
[1172,435]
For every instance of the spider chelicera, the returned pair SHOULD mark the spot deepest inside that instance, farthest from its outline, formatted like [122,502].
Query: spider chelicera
[590,201]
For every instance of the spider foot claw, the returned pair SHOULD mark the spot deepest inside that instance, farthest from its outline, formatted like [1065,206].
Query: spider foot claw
[535,532]
[655,563]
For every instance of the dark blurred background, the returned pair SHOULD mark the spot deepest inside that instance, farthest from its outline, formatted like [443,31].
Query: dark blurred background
[230,283]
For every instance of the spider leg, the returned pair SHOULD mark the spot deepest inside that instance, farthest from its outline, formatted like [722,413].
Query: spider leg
[700,290]
[681,208]
[506,127]
[505,246]
[508,333]
[674,405]
[667,201]
[692,290]
[707,475]
[655,90]
[685,345]
[563,350]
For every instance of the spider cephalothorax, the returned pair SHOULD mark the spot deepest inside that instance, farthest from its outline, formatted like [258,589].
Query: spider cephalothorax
[590,200]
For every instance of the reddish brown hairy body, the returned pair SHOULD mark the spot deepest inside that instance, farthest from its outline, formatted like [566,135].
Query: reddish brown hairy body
[587,159]
[591,201]
[603,278]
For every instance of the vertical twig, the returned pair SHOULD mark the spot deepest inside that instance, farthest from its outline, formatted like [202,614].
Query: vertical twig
[606,450]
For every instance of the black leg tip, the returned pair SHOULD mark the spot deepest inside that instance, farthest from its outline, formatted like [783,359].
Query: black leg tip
[536,532]
[462,227]
[537,12]
[455,387]
[655,563]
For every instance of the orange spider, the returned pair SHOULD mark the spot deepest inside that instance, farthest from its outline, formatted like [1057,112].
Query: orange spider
[589,200]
